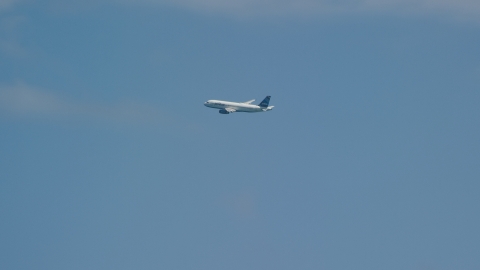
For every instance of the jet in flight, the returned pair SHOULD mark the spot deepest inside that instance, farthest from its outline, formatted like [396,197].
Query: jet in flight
[227,107]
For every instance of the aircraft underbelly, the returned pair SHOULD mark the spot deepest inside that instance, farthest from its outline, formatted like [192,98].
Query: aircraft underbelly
[243,109]
[235,107]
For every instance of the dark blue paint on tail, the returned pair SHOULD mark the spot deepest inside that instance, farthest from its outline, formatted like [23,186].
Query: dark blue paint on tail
[265,102]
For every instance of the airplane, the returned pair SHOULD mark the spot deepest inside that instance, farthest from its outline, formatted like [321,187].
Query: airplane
[227,107]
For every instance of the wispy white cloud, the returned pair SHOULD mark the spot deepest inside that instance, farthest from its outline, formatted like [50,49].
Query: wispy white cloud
[11,48]
[7,4]
[11,23]
[21,100]
[9,44]
[460,9]
[457,8]
[242,205]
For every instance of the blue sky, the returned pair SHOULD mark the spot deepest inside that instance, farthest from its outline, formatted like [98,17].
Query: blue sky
[369,160]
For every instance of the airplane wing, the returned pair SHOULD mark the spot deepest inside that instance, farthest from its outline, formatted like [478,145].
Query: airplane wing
[249,102]
[230,110]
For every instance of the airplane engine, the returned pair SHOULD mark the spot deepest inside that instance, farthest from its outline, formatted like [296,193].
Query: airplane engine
[222,111]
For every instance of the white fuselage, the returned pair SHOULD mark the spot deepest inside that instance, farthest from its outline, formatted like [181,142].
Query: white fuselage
[237,106]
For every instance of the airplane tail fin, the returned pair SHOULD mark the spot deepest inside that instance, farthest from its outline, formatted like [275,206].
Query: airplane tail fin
[265,102]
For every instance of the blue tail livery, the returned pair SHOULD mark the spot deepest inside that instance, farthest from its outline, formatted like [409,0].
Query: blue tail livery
[265,102]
